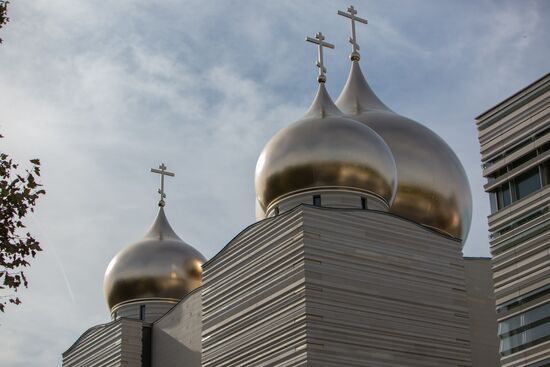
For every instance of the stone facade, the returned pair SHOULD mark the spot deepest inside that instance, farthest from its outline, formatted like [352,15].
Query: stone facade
[333,287]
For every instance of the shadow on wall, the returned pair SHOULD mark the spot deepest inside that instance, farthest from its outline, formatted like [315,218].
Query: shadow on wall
[168,350]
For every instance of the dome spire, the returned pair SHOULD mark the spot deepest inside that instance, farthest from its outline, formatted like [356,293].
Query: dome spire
[162,172]
[357,96]
[351,14]
[146,278]
[322,105]
[319,41]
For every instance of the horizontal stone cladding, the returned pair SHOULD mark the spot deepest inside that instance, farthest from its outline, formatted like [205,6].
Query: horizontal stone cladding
[253,297]
[118,343]
[520,240]
[382,291]
[523,266]
[336,287]
[513,120]
[521,261]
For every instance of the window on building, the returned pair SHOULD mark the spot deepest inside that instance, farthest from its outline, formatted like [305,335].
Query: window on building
[363,203]
[524,330]
[524,299]
[520,186]
[543,363]
[503,194]
[142,312]
[543,148]
[527,183]
[498,173]
[520,221]
[523,159]
[545,171]
[317,200]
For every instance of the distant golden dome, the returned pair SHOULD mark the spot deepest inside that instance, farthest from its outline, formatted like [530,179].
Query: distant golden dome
[324,150]
[159,266]
[432,186]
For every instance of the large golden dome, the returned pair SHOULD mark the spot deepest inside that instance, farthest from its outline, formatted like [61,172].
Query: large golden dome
[159,266]
[432,186]
[324,150]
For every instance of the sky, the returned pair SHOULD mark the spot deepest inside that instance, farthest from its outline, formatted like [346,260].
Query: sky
[102,92]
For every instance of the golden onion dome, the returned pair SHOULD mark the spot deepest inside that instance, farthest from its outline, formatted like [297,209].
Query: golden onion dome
[432,186]
[324,150]
[159,266]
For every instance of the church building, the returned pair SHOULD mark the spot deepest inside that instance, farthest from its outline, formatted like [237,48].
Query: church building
[355,258]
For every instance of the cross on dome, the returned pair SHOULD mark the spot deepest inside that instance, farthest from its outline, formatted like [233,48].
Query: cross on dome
[319,41]
[162,172]
[353,39]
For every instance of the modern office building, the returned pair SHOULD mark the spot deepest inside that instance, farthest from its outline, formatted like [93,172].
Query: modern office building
[355,259]
[515,149]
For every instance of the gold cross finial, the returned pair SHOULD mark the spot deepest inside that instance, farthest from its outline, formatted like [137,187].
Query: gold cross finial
[162,172]
[351,14]
[319,41]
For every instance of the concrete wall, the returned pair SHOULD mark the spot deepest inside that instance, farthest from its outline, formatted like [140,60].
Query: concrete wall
[483,317]
[176,337]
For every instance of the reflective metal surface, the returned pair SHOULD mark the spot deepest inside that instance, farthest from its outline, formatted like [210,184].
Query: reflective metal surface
[352,16]
[319,41]
[162,172]
[324,149]
[160,265]
[432,186]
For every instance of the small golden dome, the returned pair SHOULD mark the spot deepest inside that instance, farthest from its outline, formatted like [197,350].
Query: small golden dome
[324,150]
[159,266]
[432,186]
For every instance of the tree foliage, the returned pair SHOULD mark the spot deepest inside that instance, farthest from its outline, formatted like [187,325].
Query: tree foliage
[3,14]
[18,195]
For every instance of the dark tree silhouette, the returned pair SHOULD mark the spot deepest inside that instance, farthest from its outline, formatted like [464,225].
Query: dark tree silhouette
[3,14]
[18,195]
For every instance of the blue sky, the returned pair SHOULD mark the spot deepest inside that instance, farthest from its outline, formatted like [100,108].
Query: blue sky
[103,92]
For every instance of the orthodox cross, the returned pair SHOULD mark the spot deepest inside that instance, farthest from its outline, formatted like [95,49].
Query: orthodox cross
[162,172]
[319,41]
[353,39]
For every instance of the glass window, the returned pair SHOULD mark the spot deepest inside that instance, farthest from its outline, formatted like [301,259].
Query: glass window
[545,168]
[317,200]
[142,312]
[493,201]
[543,363]
[527,183]
[503,195]
[525,339]
[526,318]
[524,158]
[525,330]
[543,148]
[521,300]
[498,173]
